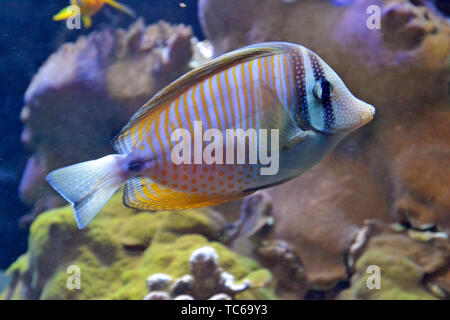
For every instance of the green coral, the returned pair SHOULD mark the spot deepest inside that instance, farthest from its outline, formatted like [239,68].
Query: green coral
[400,278]
[118,251]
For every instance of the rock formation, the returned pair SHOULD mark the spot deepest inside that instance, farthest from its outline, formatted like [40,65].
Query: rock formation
[395,169]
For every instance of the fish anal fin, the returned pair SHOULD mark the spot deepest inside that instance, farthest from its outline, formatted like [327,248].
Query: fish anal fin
[143,194]
[87,21]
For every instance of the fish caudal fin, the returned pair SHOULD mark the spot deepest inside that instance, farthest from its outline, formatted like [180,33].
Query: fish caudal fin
[64,14]
[87,186]
[121,7]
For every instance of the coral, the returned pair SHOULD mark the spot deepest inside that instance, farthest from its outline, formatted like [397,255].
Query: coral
[86,92]
[279,257]
[400,279]
[247,232]
[395,169]
[117,252]
[406,24]
[312,233]
[207,280]
[439,283]
[405,264]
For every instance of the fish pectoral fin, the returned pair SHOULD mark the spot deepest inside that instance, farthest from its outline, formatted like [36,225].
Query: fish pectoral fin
[121,7]
[298,137]
[87,21]
[274,114]
[64,14]
[144,194]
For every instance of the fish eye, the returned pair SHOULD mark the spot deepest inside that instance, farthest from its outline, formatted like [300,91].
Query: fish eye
[322,89]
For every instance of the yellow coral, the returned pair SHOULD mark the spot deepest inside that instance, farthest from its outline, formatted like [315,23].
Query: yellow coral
[118,251]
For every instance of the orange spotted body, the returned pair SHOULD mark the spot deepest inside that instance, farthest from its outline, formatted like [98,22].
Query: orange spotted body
[204,179]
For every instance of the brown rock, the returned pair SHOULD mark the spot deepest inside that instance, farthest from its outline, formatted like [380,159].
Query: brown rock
[394,169]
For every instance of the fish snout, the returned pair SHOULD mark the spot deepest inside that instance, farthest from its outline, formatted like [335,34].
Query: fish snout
[367,113]
[363,113]
[352,116]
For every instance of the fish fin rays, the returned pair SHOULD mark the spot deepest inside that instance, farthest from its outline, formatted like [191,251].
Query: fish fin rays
[87,186]
[64,14]
[144,194]
[121,7]
[273,114]
[129,136]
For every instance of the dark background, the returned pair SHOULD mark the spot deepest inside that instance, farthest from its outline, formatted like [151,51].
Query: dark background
[28,35]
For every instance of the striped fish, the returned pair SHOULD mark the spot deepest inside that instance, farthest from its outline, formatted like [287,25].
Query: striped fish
[267,86]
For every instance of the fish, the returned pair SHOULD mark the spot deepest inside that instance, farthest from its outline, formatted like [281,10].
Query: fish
[280,88]
[89,8]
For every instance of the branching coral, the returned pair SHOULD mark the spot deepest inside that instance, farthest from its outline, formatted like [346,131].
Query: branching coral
[207,280]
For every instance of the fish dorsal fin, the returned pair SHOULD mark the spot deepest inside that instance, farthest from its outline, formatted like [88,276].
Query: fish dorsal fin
[144,194]
[130,135]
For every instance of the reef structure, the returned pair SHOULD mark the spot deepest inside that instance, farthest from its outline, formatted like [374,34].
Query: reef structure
[112,258]
[395,169]
[409,264]
[207,280]
[323,229]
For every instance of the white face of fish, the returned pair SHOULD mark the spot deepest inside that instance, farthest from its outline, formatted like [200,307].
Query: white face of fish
[332,107]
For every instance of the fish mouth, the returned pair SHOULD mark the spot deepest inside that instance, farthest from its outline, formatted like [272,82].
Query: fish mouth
[367,113]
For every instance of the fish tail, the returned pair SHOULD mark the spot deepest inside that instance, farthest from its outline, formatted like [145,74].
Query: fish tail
[121,7]
[64,14]
[87,186]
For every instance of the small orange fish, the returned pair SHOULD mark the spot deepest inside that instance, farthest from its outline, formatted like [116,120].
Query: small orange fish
[88,8]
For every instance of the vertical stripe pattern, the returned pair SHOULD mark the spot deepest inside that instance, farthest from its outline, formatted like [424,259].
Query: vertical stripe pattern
[319,76]
[301,113]
[230,99]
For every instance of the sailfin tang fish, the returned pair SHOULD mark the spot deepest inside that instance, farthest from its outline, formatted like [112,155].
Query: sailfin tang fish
[89,8]
[281,90]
